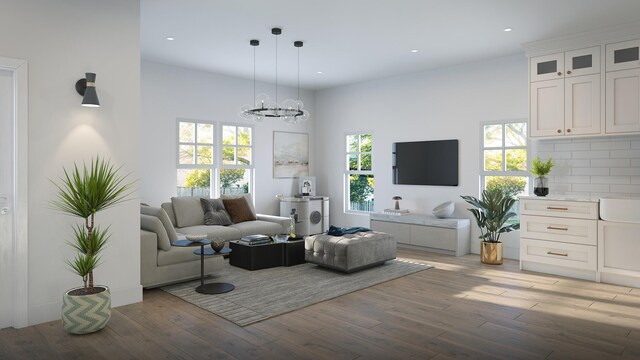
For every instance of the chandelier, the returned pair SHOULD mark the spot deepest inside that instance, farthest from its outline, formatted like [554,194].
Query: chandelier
[290,111]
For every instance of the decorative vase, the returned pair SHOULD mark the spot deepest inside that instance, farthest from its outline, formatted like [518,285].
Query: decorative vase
[84,314]
[217,245]
[541,186]
[491,253]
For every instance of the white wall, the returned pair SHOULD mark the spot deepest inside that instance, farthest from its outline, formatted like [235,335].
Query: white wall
[61,40]
[595,167]
[447,103]
[170,92]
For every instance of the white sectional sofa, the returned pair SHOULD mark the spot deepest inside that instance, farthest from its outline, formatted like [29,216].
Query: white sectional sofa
[162,263]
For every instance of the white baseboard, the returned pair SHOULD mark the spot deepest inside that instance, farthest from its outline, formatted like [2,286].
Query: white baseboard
[51,311]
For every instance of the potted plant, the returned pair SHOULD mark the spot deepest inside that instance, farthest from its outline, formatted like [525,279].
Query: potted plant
[541,169]
[492,215]
[83,193]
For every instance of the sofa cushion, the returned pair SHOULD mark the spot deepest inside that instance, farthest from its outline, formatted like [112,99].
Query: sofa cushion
[153,224]
[214,212]
[178,255]
[168,208]
[213,231]
[246,197]
[257,227]
[239,210]
[164,218]
[188,211]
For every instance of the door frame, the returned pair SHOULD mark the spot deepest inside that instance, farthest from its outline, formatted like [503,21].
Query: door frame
[20,183]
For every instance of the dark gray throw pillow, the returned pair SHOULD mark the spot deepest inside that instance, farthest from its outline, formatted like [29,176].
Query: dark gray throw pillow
[214,212]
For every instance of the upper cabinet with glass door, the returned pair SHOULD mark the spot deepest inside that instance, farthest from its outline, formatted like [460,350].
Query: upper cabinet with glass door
[623,87]
[566,64]
[565,93]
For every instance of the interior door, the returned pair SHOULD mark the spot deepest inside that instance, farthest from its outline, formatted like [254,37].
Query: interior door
[7,277]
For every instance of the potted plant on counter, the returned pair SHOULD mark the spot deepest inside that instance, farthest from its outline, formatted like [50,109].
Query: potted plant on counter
[492,215]
[541,169]
[83,193]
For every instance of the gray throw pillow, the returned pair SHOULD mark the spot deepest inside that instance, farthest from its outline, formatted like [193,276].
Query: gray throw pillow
[214,212]
[188,211]
[164,218]
[153,224]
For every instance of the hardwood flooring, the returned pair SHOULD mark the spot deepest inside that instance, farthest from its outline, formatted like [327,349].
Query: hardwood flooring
[459,309]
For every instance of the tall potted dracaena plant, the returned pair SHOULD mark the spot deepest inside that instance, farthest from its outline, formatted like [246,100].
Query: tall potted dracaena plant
[83,192]
[492,214]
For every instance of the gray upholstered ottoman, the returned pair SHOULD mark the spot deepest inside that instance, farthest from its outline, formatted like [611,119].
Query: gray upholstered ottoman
[351,252]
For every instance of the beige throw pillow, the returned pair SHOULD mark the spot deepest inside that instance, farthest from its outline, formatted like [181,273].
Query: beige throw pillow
[188,211]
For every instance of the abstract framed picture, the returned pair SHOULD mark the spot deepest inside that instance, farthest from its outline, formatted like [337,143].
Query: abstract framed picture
[290,154]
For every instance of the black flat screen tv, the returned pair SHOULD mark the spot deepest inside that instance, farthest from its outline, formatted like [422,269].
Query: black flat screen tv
[426,163]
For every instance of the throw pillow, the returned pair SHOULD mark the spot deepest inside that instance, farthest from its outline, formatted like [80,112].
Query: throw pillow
[239,210]
[164,218]
[188,211]
[214,212]
[153,224]
[246,197]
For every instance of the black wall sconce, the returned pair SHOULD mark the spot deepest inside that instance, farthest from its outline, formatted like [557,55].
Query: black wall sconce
[87,88]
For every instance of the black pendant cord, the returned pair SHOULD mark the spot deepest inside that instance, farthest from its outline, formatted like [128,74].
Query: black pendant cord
[276,71]
[254,76]
[298,105]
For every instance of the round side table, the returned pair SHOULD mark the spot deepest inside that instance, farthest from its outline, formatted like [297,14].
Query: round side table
[212,288]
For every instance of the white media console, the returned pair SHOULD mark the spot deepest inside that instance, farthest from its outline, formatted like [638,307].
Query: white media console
[447,236]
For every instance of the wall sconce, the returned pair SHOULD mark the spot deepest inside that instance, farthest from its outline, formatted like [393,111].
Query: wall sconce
[87,88]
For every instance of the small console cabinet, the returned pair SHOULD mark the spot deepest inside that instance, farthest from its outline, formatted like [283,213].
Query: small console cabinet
[447,236]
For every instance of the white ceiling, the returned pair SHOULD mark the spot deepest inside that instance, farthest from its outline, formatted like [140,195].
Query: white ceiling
[358,40]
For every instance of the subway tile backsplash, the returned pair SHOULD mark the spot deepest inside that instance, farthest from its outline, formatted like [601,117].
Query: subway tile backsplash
[599,166]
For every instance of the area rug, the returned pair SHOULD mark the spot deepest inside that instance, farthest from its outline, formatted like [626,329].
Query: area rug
[262,294]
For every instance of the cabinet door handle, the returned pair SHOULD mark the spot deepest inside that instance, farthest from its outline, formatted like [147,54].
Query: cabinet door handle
[568,72]
[559,73]
[568,130]
[557,208]
[557,253]
[556,228]
[559,131]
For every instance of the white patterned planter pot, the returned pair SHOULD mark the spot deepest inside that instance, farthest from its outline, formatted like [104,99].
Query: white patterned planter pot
[84,314]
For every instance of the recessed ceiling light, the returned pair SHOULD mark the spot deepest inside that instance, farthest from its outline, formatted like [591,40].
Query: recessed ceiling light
[507,29]
[170,38]
[414,50]
[319,72]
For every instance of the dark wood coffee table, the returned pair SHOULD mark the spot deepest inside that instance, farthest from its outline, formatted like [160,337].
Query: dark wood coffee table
[256,257]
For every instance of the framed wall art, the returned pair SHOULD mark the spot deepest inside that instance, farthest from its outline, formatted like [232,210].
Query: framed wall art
[290,154]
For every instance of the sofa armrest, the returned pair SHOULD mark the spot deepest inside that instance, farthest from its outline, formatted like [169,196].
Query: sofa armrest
[283,221]
[148,256]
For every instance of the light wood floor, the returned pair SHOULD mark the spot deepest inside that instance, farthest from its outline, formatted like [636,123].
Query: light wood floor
[459,309]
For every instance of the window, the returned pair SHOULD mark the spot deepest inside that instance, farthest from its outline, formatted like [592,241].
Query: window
[236,171]
[195,158]
[504,157]
[359,176]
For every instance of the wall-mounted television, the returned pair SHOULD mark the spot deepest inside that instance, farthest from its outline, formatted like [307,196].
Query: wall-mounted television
[425,163]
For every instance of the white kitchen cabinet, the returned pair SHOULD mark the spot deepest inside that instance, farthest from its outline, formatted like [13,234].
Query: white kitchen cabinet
[618,249]
[622,101]
[623,55]
[559,237]
[567,102]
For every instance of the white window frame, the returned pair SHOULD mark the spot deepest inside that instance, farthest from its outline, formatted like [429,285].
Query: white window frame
[518,173]
[347,172]
[215,151]
[250,167]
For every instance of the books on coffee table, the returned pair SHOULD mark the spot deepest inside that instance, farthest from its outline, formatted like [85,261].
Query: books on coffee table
[255,239]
